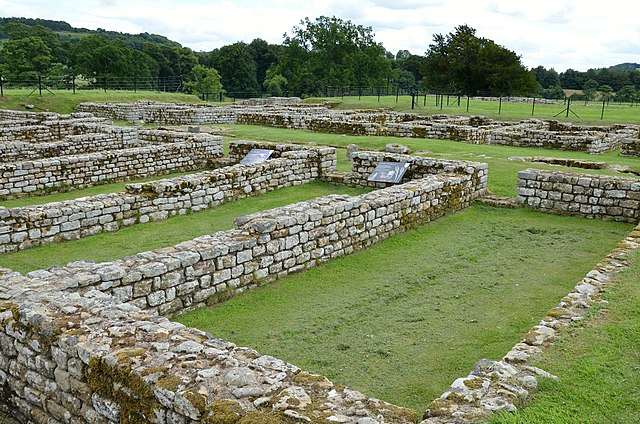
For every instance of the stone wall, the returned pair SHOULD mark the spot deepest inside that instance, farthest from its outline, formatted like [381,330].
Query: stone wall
[64,172]
[469,129]
[363,163]
[592,196]
[93,139]
[25,227]
[91,359]
[82,343]
[326,156]
[267,245]
[630,147]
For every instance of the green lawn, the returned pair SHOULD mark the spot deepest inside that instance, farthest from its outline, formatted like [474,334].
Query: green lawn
[64,101]
[502,171]
[598,362]
[587,114]
[405,318]
[155,235]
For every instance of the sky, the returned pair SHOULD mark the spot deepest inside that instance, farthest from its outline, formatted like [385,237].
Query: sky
[559,34]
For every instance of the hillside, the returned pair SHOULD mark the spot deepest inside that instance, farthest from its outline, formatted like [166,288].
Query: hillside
[66,32]
[624,67]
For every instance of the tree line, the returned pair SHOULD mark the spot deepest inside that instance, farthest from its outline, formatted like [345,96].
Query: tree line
[314,55]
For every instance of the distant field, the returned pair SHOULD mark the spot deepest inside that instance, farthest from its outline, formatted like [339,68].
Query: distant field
[614,112]
[64,101]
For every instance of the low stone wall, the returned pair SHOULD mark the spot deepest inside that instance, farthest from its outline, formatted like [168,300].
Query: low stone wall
[90,359]
[363,163]
[92,140]
[326,156]
[592,196]
[60,173]
[25,227]
[469,129]
[16,126]
[82,343]
[630,147]
[267,245]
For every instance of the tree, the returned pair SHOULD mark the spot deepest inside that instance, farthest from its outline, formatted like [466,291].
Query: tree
[606,91]
[264,55]
[463,63]
[27,57]
[275,84]
[238,70]
[203,81]
[331,52]
[628,93]
[547,78]
[589,90]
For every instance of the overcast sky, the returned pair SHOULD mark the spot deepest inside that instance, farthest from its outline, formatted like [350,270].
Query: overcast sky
[562,34]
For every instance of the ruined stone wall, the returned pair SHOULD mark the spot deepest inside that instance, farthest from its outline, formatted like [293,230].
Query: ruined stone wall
[82,343]
[267,245]
[25,227]
[60,173]
[326,156]
[592,196]
[363,164]
[95,139]
[630,147]
[90,359]
[469,129]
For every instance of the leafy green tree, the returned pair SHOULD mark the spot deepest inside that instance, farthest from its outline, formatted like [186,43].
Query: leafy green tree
[464,63]
[110,63]
[203,81]
[589,90]
[547,78]
[606,92]
[264,55]
[332,52]
[27,57]
[628,93]
[275,84]
[238,70]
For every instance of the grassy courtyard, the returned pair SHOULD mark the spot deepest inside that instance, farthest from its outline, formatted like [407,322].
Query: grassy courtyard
[403,319]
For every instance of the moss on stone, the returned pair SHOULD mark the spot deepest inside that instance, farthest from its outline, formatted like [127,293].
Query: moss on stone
[223,412]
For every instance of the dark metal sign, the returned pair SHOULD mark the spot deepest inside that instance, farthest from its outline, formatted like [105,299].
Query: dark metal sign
[256,156]
[388,172]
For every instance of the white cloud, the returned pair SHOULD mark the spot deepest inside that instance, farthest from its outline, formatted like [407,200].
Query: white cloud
[576,34]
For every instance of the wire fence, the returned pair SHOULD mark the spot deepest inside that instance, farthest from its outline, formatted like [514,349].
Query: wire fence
[43,84]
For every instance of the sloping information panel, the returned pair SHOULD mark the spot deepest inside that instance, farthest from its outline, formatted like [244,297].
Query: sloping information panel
[256,156]
[388,172]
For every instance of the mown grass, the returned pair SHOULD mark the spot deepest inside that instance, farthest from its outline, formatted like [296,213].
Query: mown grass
[154,235]
[598,362]
[587,114]
[405,318]
[63,101]
[502,171]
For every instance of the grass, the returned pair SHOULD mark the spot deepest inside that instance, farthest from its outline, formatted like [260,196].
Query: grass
[85,192]
[502,171]
[64,101]
[405,318]
[598,362]
[587,114]
[154,235]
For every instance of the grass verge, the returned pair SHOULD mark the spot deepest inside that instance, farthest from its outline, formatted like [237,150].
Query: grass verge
[154,235]
[403,319]
[502,171]
[598,362]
